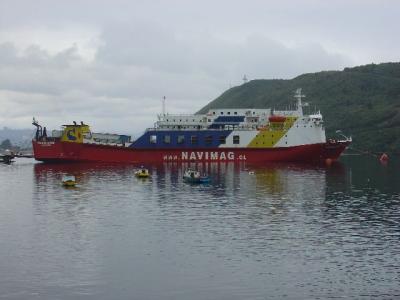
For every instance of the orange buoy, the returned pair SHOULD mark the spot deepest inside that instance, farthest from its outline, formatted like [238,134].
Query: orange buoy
[328,161]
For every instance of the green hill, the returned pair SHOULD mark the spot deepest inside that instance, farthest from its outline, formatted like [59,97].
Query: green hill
[363,102]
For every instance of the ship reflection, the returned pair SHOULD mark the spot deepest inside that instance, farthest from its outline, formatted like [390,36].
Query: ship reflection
[277,182]
[273,178]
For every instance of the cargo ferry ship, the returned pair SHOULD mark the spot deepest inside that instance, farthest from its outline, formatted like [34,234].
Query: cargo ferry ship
[222,135]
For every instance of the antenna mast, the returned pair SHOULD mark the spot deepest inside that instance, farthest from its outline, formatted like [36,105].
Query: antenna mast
[244,79]
[163,106]
[298,95]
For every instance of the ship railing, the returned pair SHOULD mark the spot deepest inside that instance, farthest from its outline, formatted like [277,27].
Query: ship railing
[202,129]
[106,143]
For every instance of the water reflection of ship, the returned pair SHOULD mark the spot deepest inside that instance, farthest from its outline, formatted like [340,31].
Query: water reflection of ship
[275,180]
[82,171]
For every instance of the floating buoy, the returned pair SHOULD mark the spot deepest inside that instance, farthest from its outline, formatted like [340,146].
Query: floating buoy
[68,180]
[142,173]
[328,161]
[384,158]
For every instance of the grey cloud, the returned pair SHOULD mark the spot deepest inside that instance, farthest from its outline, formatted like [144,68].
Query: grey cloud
[188,51]
[148,62]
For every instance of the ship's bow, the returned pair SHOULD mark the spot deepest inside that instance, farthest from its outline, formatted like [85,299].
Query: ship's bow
[333,149]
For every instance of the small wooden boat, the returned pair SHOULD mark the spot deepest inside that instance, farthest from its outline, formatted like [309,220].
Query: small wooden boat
[68,180]
[142,173]
[7,158]
[193,176]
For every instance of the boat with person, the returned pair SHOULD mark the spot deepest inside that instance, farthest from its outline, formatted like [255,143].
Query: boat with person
[221,135]
[194,176]
[142,173]
[68,180]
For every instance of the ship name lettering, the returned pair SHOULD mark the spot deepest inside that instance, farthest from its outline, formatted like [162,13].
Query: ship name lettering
[200,155]
[231,156]
[185,156]
[214,155]
[170,157]
[46,143]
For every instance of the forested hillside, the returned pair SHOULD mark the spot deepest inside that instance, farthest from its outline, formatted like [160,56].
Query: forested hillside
[363,101]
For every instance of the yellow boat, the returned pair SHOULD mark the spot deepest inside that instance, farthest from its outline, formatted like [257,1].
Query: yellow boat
[142,173]
[68,180]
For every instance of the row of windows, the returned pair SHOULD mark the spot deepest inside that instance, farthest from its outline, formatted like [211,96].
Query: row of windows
[182,127]
[187,120]
[228,113]
[208,140]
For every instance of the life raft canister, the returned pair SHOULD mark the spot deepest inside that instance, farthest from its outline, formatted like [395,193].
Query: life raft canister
[277,119]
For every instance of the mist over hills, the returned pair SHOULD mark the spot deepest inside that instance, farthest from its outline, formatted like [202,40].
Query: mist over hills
[17,137]
[362,101]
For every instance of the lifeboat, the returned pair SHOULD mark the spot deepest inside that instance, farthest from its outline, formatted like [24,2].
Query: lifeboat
[277,119]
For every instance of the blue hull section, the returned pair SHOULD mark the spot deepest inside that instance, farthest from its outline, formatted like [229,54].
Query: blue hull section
[181,139]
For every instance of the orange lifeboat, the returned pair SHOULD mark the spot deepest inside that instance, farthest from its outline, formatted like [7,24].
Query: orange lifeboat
[277,119]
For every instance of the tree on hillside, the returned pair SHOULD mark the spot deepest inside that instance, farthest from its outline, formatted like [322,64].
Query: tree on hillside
[6,144]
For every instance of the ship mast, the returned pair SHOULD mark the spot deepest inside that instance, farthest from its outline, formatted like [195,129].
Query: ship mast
[244,79]
[298,95]
[163,106]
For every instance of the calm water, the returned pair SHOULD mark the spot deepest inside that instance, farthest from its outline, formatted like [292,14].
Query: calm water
[286,232]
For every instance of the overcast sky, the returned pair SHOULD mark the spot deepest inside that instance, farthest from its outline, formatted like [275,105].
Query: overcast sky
[109,63]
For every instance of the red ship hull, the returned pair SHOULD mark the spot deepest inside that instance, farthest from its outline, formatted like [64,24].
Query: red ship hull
[57,151]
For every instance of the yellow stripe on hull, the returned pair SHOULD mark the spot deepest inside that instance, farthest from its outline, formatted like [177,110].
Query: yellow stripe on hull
[271,135]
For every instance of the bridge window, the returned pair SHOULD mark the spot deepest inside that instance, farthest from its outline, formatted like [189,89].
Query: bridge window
[208,140]
[193,139]
[222,139]
[153,139]
[181,139]
[167,139]
[236,139]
